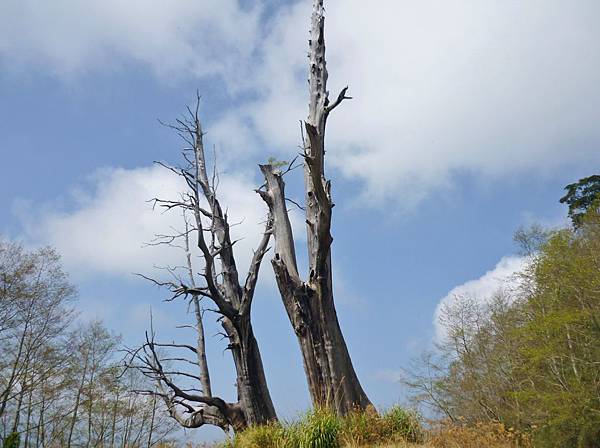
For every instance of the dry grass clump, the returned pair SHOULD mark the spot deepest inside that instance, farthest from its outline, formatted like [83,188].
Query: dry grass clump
[489,435]
[364,428]
[273,435]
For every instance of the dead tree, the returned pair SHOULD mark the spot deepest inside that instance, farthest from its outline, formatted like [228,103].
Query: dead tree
[220,284]
[309,304]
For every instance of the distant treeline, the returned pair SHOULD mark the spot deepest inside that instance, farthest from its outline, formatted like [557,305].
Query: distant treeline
[60,381]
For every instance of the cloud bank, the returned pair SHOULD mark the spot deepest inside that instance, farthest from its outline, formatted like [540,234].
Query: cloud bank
[172,38]
[489,88]
[492,89]
[482,289]
[106,228]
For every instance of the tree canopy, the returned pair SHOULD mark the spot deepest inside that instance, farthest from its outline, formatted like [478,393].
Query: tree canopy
[528,358]
[581,195]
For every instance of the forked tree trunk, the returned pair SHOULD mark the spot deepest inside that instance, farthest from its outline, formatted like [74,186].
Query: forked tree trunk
[234,300]
[253,394]
[309,304]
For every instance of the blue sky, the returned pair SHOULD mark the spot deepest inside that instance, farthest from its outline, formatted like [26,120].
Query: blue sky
[468,120]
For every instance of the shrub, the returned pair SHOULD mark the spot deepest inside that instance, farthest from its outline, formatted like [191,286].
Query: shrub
[362,427]
[13,440]
[400,423]
[397,424]
[319,428]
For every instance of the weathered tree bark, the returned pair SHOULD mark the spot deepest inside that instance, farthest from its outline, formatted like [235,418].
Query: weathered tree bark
[233,300]
[309,304]
[223,288]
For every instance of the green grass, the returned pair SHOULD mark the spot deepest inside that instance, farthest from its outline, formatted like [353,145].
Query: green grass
[321,428]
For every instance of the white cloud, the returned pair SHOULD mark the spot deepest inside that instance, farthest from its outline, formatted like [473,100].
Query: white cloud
[490,88]
[106,229]
[173,38]
[483,289]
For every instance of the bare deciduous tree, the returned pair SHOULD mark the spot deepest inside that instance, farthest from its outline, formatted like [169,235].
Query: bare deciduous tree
[35,307]
[309,304]
[59,386]
[220,285]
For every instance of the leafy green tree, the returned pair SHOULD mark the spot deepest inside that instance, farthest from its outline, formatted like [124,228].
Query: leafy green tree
[580,196]
[530,357]
[559,348]
[13,440]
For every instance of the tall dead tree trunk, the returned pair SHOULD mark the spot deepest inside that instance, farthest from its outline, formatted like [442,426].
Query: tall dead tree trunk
[223,288]
[309,304]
